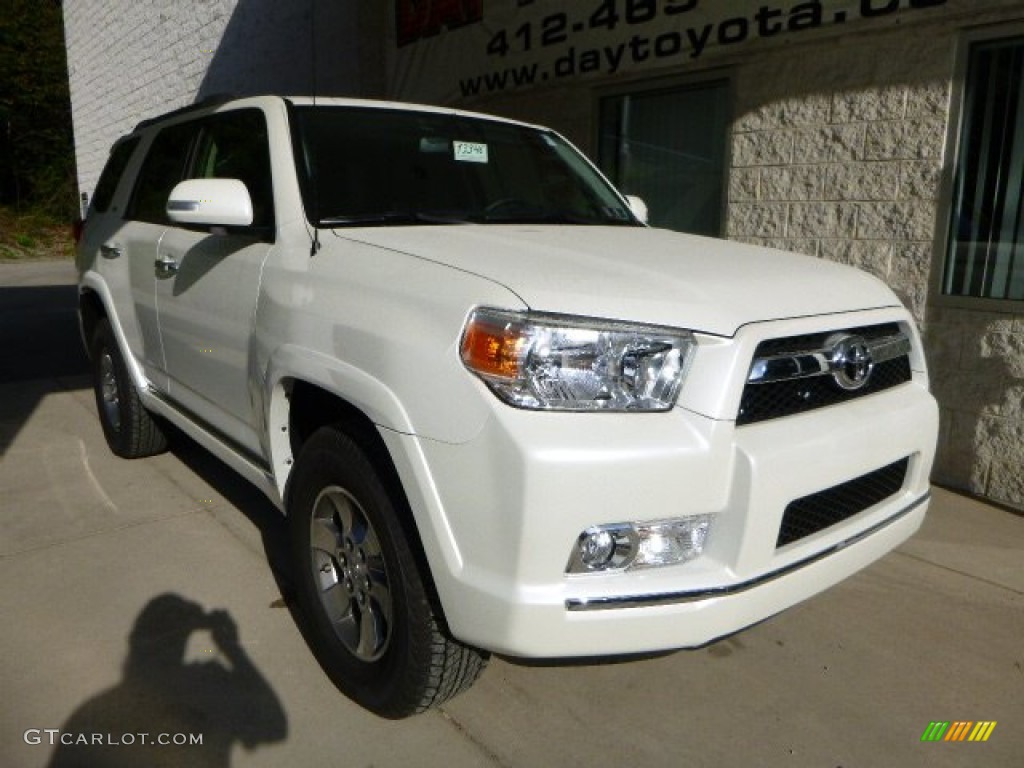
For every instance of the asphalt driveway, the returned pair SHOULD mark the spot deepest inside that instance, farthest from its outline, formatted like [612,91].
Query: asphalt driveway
[128,584]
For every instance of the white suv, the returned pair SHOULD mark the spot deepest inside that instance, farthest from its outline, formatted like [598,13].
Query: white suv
[500,412]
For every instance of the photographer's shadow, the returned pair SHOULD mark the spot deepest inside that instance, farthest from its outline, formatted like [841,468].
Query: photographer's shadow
[220,697]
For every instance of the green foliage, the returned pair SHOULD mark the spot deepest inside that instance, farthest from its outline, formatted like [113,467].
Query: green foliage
[36,147]
[33,235]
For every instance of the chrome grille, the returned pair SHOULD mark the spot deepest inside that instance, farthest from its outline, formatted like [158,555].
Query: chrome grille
[791,375]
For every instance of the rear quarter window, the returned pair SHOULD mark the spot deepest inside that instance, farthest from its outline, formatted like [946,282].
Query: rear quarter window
[112,173]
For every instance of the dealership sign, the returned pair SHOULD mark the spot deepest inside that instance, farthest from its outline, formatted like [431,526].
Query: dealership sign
[448,50]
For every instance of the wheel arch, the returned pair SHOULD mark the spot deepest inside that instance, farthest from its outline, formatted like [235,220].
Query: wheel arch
[300,405]
[90,311]
[95,303]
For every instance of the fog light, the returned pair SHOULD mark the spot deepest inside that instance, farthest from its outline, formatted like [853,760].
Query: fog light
[672,541]
[602,548]
[625,546]
[597,546]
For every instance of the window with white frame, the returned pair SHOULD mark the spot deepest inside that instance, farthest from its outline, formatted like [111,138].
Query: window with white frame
[985,255]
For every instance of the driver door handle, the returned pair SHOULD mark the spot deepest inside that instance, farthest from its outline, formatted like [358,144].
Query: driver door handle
[111,250]
[165,265]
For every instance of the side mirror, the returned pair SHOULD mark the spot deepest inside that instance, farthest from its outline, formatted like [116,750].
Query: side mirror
[210,202]
[638,207]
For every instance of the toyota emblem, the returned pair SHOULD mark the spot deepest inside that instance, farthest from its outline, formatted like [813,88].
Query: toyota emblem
[850,361]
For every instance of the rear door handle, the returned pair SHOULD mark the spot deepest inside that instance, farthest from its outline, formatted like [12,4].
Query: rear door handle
[111,251]
[165,266]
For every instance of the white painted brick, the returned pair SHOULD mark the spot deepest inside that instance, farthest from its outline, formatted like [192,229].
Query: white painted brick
[130,60]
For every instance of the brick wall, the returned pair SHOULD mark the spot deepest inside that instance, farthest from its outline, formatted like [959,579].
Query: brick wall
[129,60]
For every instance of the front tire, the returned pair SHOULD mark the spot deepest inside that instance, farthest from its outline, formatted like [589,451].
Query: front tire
[369,617]
[130,430]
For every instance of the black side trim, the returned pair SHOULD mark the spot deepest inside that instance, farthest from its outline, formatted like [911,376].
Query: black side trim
[241,450]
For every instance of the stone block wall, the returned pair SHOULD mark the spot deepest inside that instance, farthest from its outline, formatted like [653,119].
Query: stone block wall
[838,151]
[977,361]
[843,160]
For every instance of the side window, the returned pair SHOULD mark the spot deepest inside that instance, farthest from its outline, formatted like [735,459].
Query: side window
[233,145]
[985,252]
[112,172]
[163,167]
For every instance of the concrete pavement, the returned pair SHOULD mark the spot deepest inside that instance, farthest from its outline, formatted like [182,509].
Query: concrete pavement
[110,570]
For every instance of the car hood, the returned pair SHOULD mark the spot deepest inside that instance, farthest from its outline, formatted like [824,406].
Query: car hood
[640,274]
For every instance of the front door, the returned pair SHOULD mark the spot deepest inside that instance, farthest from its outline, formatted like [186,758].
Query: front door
[207,284]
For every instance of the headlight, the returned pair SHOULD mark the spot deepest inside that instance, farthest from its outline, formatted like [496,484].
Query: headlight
[557,362]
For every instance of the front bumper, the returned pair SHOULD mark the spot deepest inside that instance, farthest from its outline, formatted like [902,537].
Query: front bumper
[514,500]
[501,513]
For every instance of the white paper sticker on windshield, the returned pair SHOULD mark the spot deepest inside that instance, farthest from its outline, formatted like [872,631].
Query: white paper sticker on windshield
[470,152]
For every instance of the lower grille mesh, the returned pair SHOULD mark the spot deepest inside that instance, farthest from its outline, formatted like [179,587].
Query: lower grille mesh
[824,509]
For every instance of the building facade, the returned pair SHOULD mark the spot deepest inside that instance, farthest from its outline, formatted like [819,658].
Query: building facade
[888,134]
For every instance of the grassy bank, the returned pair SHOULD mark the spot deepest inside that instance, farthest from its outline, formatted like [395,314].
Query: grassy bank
[33,236]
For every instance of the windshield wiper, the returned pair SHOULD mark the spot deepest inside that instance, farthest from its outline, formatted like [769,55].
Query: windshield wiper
[389,218]
[551,217]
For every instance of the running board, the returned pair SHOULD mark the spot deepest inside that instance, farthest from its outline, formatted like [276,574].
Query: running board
[248,466]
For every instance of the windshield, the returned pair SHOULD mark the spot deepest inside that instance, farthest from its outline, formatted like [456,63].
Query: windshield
[363,166]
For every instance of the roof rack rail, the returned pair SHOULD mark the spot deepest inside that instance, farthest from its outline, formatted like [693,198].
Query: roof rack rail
[213,100]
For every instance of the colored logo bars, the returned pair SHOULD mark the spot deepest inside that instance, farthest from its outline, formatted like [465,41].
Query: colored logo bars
[959,730]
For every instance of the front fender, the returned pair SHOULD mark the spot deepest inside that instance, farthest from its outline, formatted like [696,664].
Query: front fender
[357,387]
[380,404]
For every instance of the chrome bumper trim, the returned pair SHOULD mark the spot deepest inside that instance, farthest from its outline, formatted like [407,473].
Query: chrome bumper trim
[674,598]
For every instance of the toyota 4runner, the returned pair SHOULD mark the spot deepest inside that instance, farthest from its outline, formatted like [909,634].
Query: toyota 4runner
[500,412]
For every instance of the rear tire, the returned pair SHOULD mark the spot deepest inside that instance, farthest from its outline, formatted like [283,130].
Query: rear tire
[369,617]
[130,429]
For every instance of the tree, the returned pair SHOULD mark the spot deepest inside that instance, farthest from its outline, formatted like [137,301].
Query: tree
[36,146]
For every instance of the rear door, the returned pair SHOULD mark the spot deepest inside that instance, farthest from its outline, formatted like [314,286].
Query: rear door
[145,223]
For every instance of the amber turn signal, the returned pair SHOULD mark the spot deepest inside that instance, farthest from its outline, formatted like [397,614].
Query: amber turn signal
[493,348]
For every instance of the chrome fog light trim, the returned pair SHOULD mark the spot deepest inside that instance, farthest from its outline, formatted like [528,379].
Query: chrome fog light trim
[627,546]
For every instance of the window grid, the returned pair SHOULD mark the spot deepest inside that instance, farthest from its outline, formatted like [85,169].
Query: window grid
[985,258]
